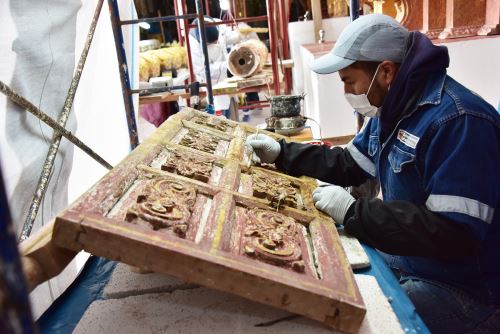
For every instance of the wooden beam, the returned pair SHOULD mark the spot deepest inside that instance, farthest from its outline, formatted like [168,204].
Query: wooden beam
[41,259]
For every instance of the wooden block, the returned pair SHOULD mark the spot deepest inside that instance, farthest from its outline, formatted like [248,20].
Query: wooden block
[41,258]
[355,253]
[185,203]
[245,30]
[225,88]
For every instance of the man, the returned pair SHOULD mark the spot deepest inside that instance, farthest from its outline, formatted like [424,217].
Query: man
[434,146]
[217,55]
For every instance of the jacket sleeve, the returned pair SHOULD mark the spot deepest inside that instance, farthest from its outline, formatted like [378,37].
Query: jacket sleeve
[403,228]
[335,166]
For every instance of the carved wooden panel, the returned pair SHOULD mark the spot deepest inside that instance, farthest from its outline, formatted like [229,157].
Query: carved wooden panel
[449,18]
[186,203]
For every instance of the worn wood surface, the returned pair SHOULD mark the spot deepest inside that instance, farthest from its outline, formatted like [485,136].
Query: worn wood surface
[41,258]
[186,203]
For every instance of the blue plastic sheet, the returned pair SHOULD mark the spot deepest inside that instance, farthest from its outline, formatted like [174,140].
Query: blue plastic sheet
[401,304]
[68,309]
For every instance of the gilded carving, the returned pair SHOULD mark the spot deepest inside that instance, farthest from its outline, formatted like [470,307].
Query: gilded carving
[200,141]
[189,165]
[164,204]
[216,123]
[278,190]
[272,237]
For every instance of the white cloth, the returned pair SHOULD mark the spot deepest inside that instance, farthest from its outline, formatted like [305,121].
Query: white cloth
[217,55]
[41,38]
[38,40]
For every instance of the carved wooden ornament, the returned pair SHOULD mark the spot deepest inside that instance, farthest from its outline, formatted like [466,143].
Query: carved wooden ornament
[185,203]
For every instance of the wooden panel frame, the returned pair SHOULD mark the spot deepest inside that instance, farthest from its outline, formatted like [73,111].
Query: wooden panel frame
[324,291]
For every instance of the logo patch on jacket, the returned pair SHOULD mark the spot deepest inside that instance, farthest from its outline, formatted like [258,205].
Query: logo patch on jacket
[408,139]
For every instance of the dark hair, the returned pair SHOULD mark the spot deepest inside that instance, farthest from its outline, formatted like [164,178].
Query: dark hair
[211,32]
[367,66]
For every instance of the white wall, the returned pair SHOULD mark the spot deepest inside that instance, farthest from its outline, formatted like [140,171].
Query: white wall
[98,105]
[476,65]
[302,32]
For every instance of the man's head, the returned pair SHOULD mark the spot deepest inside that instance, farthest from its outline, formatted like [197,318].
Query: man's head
[367,56]
[371,78]
[211,32]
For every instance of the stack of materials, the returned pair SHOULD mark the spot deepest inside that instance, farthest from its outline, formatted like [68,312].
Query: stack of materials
[247,58]
[153,62]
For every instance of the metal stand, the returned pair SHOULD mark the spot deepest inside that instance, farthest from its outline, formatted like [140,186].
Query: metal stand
[277,17]
[127,91]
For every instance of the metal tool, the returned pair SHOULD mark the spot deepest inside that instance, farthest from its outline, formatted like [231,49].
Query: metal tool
[250,152]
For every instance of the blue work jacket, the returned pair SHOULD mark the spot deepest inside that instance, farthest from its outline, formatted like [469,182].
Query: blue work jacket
[444,155]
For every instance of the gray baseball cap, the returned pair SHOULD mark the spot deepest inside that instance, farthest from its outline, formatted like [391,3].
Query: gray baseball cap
[373,37]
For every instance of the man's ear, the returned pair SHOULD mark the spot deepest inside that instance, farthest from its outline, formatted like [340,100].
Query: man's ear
[389,70]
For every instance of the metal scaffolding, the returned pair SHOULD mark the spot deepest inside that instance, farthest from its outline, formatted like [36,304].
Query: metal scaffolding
[59,125]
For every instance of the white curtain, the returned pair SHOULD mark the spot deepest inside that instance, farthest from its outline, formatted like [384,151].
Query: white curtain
[40,44]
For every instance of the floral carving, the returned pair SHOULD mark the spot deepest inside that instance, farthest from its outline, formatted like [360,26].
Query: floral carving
[164,204]
[278,190]
[200,141]
[189,165]
[272,237]
[213,122]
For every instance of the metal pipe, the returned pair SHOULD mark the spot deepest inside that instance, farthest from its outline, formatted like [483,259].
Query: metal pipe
[283,19]
[354,9]
[44,179]
[162,89]
[124,77]
[203,42]
[159,19]
[178,24]
[231,22]
[255,105]
[188,44]
[273,46]
[28,106]
[207,7]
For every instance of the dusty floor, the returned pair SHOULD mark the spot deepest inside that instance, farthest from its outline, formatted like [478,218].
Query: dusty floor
[153,303]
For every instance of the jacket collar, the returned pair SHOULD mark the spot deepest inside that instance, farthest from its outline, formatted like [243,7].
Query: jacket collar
[433,89]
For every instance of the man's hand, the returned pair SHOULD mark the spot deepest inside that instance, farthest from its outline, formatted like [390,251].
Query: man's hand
[333,200]
[265,148]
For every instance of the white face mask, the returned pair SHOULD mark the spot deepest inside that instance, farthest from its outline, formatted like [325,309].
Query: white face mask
[361,104]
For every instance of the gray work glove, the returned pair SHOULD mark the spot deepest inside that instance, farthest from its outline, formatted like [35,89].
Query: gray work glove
[265,148]
[333,200]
